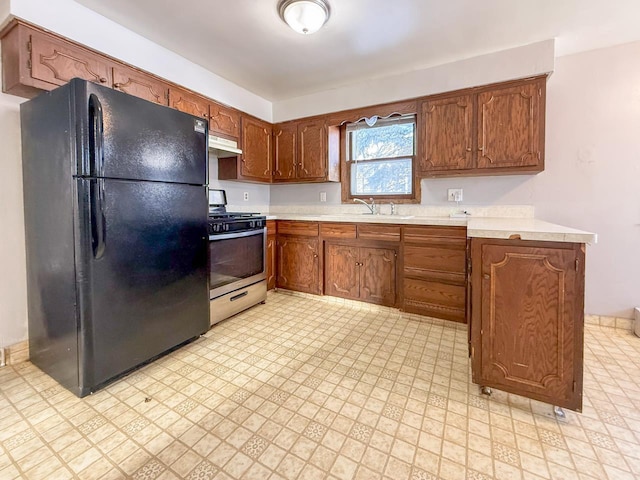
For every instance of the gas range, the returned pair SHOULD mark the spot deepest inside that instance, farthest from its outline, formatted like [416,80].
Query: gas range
[221,222]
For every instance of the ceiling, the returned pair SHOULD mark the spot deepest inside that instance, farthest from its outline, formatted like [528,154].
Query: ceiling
[246,42]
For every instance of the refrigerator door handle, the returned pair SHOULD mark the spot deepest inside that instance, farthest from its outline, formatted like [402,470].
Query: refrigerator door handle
[98,223]
[96,131]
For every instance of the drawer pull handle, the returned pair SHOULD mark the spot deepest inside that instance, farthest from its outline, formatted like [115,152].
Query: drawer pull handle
[240,295]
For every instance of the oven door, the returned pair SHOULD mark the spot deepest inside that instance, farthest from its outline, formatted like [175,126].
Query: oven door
[236,260]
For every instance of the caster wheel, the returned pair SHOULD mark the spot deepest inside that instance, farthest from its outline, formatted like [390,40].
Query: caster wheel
[486,391]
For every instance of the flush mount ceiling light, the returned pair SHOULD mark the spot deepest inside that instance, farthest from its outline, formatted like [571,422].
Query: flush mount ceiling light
[304,16]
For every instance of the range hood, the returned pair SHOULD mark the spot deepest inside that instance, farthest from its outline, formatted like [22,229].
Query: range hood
[223,148]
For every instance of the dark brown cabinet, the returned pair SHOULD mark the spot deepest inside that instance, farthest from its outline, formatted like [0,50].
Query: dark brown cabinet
[188,102]
[34,61]
[509,126]
[298,258]
[360,273]
[141,85]
[224,121]
[272,266]
[306,151]
[527,318]
[285,156]
[254,165]
[434,271]
[447,126]
[484,131]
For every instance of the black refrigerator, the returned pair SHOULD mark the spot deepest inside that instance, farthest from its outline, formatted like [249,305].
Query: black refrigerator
[115,191]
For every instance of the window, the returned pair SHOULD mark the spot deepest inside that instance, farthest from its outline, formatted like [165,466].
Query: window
[380,158]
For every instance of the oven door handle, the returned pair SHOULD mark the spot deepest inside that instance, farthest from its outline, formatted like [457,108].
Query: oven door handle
[225,236]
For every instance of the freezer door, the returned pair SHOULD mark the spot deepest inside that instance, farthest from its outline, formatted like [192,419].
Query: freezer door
[121,136]
[142,272]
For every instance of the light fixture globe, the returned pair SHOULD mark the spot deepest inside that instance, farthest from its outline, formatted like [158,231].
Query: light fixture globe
[304,16]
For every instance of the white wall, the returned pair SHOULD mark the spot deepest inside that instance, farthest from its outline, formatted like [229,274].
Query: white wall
[592,175]
[85,26]
[534,59]
[259,194]
[13,281]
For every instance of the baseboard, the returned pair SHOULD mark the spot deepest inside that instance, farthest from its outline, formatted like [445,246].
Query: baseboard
[610,322]
[16,353]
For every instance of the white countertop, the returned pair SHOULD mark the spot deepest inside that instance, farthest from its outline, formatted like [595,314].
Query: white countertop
[484,227]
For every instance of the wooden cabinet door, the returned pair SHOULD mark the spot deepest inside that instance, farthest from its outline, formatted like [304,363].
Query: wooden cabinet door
[341,271]
[188,102]
[378,275]
[509,124]
[224,121]
[297,259]
[256,149]
[56,61]
[140,85]
[271,262]
[531,321]
[312,150]
[285,138]
[447,130]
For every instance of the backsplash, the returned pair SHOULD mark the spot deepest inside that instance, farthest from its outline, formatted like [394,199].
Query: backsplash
[507,211]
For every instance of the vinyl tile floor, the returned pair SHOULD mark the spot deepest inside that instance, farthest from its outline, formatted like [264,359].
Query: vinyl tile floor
[310,388]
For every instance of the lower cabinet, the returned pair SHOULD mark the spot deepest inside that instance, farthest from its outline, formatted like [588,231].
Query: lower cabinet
[527,318]
[298,259]
[360,273]
[434,271]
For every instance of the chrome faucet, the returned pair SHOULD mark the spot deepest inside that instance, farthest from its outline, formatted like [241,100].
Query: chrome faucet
[372,207]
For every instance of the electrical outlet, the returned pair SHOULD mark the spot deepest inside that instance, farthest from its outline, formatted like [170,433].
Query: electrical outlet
[323,196]
[245,195]
[454,194]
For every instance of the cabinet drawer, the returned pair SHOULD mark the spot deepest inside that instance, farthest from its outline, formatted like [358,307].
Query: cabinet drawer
[390,233]
[436,235]
[438,261]
[441,300]
[309,229]
[338,230]
[271,227]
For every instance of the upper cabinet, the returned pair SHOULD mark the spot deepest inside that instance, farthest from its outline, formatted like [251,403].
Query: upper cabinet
[484,131]
[33,61]
[447,126]
[255,164]
[306,151]
[188,102]
[141,85]
[224,121]
[285,153]
[509,127]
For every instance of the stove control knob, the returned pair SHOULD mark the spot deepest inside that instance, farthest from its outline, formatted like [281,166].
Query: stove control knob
[252,224]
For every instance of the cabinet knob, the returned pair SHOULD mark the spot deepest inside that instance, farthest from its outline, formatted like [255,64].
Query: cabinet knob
[103,80]
[468,149]
[315,255]
[486,276]
[117,85]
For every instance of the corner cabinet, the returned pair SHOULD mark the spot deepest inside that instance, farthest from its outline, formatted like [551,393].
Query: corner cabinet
[255,162]
[527,318]
[490,130]
[306,151]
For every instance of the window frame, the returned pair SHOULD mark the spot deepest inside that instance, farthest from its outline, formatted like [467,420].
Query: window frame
[348,196]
